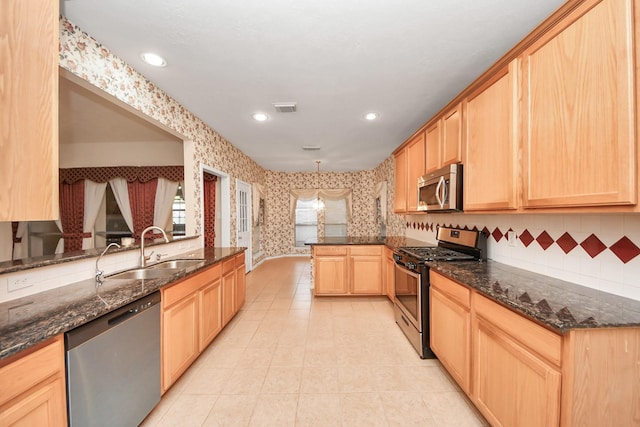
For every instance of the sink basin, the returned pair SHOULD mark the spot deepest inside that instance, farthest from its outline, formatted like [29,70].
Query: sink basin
[176,263]
[145,273]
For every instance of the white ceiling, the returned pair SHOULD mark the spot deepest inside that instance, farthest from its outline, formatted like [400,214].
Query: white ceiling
[338,59]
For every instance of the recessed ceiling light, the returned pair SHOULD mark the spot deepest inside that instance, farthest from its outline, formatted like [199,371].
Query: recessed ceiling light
[153,59]
[371,116]
[260,117]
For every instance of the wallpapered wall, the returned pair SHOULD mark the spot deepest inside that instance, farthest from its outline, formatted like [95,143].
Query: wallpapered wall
[87,58]
[279,229]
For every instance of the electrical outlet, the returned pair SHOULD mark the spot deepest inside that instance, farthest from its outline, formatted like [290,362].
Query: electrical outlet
[511,237]
[16,283]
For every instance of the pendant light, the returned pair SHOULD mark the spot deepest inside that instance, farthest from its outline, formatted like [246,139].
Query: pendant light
[318,204]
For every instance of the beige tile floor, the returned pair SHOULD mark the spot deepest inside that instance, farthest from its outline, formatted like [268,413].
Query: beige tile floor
[289,359]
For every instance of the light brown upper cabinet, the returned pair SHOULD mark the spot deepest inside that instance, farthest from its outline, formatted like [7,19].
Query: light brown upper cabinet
[444,140]
[29,109]
[415,162]
[400,196]
[410,165]
[433,138]
[579,125]
[490,159]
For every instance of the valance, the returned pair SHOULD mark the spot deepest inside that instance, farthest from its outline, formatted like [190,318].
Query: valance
[257,192]
[306,194]
[130,173]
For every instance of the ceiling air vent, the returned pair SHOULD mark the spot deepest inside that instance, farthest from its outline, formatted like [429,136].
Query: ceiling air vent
[285,107]
[311,147]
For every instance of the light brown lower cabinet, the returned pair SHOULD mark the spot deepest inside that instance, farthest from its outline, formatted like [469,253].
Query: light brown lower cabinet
[451,340]
[513,385]
[390,273]
[523,374]
[209,309]
[241,286]
[193,313]
[348,270]
[228,290]
[32,387]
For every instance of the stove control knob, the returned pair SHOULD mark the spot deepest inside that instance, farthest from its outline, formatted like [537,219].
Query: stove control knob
[411,265]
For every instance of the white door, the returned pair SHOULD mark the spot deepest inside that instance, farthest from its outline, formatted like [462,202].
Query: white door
[243,201]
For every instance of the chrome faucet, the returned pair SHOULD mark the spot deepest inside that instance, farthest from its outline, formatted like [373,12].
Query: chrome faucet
[100,273]
[143,258]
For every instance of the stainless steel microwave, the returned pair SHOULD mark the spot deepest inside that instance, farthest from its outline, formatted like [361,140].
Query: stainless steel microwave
[441,190]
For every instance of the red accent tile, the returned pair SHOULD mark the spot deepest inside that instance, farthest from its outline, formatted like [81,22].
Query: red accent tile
[422,226]
[526,238]
[408,224]
[566,243]
[414,225]
[544,240]
[497,234]
[625,249]
[486,231]
[475,228]
[593,246]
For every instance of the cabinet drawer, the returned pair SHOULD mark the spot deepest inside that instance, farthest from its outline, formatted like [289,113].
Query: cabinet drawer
[188,286]
[180,290]
[211,273]
[374,250]
[239,260]
[451,289]
[330,250]
[28,371]
[228,266]
[538,339]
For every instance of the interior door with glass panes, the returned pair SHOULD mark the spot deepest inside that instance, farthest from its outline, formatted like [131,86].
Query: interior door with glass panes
[243,223]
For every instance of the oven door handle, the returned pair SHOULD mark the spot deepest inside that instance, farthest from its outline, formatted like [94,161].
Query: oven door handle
[441,190]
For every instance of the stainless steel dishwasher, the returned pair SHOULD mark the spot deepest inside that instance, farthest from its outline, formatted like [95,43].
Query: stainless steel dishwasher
[113,366]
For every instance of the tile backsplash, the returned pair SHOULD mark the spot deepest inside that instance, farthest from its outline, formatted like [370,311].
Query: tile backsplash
[600,251]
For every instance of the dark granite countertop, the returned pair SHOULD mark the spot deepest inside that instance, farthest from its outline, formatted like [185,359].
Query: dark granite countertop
[27,321]
[554,303]
[46,260]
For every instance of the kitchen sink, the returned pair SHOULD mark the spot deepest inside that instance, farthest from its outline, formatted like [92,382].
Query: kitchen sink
[145,273]
[176,263]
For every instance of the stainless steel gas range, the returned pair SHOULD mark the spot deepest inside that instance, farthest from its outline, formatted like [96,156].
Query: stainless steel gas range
[412,279]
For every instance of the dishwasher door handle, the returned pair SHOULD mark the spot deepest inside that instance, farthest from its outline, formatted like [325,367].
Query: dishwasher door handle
[122,317]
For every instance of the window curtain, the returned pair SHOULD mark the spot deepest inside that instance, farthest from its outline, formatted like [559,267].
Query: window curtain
[163,205]
[258,192]
[121,193]
[327,194]
[302,194]
[72,215]
[380,192]
[209,199]
[142,196]
[19,231]
[93,194]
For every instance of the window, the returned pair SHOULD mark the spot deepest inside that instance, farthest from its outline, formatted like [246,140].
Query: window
[306,222]
[178,213]
[335,218]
